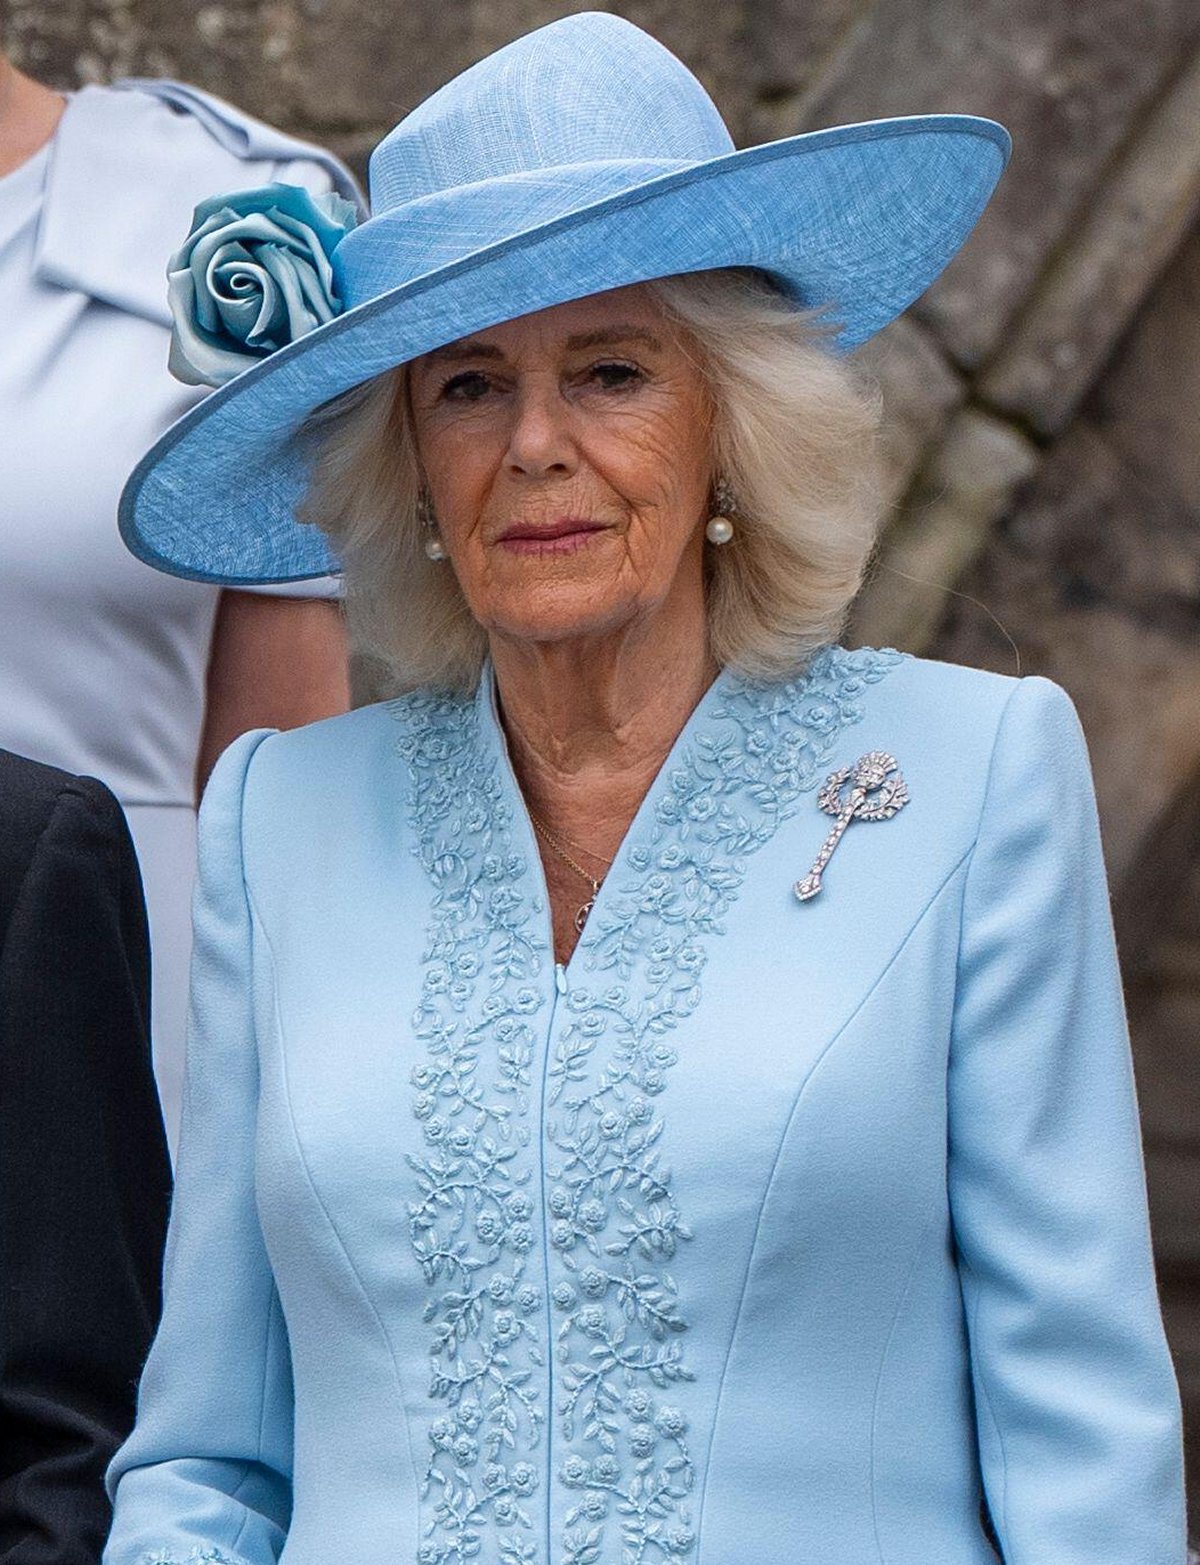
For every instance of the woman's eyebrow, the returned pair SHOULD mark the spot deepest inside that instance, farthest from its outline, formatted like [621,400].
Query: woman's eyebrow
[453,351]
[603,337]
[609,336]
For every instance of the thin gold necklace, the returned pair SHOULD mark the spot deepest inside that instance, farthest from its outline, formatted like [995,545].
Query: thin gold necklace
[556,847]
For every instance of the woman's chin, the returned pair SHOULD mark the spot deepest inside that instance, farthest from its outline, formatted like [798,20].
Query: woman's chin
[561,612]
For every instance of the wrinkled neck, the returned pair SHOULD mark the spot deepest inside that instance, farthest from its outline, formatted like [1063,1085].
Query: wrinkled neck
[590,721]
[588,730]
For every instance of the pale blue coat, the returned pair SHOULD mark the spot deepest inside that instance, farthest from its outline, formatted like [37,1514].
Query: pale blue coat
[764,1232]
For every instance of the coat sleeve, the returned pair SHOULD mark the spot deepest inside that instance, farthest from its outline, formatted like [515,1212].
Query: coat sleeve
[84,1178]
[1076,1402]
[206,1473]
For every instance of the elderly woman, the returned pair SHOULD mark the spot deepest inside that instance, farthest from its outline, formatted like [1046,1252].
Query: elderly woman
[658,1087]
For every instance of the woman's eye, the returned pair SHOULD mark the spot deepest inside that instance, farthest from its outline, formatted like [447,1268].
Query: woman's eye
[612,376]
[467,387]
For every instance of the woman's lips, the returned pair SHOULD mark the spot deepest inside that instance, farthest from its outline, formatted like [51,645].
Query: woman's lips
[560,537]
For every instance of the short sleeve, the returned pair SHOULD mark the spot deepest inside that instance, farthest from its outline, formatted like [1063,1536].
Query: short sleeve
[1076,1401]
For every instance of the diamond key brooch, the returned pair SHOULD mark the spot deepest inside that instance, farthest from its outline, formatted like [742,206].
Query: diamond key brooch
[877,792]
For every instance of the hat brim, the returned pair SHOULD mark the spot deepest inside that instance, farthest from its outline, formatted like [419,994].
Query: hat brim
[859,219]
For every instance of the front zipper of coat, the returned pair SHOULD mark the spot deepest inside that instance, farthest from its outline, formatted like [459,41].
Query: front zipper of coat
[561,989]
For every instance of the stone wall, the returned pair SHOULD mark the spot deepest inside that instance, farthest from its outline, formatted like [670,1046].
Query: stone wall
[1044,447]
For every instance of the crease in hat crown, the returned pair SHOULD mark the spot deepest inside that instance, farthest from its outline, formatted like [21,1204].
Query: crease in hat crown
[582,109]
[548,100]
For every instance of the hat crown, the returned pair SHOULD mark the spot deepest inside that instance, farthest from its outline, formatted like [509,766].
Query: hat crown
[590,87]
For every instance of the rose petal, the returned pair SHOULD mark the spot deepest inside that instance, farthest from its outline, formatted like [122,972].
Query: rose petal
[254,274]
[197,358]
[257,311]
[304,300]
[210,255]
[211,224]
[306,242]
[341,213]
[328,215]
[321,300]
[254,228]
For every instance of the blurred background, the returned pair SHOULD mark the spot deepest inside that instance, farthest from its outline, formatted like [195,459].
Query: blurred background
[1044,398]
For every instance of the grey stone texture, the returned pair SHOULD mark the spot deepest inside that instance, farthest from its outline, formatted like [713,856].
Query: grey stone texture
[945,522]
[920,391]
[1070,80]
[1105,268]
[1042,446]
[1164,1006]
[1095,572]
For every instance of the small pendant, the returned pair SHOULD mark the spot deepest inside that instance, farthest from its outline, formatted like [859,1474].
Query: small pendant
[875,795]
[582,916]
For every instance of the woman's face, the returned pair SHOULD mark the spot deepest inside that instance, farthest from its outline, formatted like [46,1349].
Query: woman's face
[568,457]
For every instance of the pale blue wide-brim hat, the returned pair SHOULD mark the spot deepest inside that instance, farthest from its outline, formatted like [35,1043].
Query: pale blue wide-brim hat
[580,158]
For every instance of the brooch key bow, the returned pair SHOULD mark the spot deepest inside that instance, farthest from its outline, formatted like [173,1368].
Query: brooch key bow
[877,792]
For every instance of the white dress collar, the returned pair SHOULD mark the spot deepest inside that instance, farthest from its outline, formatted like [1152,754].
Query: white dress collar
[128,164]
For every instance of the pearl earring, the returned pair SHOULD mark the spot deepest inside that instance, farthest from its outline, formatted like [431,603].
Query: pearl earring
[435,549]
[719,528]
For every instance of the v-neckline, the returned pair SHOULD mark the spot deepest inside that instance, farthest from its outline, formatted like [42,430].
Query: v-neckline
[490,723]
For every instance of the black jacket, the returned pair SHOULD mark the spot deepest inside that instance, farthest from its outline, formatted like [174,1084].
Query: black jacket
[84,1173]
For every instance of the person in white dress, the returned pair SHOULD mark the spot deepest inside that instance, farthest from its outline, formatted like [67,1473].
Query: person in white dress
[108,667]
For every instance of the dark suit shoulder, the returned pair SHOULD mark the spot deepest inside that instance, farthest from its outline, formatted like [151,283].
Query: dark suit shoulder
[29,790]
[31,795]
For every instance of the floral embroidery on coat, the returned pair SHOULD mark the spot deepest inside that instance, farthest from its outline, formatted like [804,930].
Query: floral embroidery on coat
[471,1223]
[615,1223]
[196,1557]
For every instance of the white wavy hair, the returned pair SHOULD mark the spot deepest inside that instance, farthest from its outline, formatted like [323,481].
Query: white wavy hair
[795,433]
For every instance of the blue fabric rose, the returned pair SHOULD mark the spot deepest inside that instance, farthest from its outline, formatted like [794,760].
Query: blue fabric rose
[253,275]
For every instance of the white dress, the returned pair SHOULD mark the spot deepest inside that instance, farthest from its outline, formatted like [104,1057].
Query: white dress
[103,660]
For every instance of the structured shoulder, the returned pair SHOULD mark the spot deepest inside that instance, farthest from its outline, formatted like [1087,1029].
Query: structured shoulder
[947,708]
[32,796]
[28,788]
[338,757]
[323,793]
[969,694]
[344,740]
[917,697]
[29,792]
[907,692]
[961,739]
[971,706]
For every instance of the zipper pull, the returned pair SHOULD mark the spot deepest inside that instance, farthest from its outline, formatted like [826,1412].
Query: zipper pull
[560,978]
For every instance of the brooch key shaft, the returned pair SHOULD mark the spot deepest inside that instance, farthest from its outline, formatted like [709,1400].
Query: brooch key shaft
[877,792]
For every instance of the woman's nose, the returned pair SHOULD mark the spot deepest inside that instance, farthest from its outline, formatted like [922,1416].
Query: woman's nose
[540,439]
